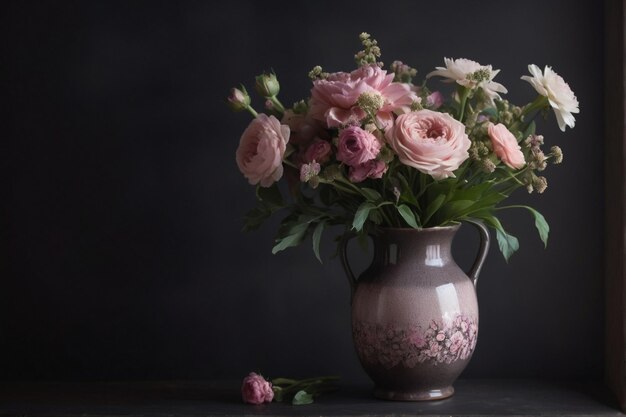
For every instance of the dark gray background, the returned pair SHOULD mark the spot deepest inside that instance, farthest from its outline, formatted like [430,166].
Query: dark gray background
[122,256]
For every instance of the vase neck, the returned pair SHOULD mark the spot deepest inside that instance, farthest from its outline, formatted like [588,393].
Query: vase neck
[430,247]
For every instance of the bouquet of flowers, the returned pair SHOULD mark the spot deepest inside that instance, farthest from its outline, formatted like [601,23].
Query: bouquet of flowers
[371,148]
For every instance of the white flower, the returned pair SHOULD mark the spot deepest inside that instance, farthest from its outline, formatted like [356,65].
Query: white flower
[471,74]
[559,94]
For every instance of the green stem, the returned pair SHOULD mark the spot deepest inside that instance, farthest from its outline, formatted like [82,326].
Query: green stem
[464,94]
[279,106]
[252,111]
[539,103]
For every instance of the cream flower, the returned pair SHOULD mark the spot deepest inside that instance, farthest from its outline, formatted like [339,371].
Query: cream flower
[470,74]
[559,94]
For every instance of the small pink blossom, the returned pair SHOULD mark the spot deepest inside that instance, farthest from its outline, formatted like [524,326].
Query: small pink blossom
[440,337]
[456,342]
[334,99]
[256,390]
[434,100]
[261,150]
[308,171]
[432,142]
[319,150]
[356,146]
[370,169]
[505,146]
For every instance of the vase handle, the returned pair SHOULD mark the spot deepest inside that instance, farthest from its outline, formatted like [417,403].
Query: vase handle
[343,254]
[482,250]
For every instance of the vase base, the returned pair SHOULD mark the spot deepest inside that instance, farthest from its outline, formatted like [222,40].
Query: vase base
[418,395]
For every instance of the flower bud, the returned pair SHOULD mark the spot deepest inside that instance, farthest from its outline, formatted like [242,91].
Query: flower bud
[557,153]
[267,85]
[238,100]
[540,184]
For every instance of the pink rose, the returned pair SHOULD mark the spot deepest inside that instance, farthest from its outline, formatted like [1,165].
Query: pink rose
[432,142]
[505,146]
[334,99]
[370,169]
[256,390]
[261,150]
[356,146]
[319,151]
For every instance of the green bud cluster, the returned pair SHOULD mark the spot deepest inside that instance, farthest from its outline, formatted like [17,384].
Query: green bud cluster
[480,75]
[509,113]
[317,74]
[370,103]
[370,52]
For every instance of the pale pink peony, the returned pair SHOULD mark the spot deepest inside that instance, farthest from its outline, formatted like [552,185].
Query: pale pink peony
[256,390]
[356,146]
[370,169]
[261,150]
[334,99]
[319,150]
[505,146]
[559,94]
[434,143]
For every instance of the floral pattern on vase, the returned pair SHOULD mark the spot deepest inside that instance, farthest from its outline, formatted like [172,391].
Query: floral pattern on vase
[441,342]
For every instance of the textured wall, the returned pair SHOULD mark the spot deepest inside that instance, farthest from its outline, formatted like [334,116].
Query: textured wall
[122,255]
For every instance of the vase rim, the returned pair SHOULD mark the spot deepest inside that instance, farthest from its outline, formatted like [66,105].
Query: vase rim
[453,227]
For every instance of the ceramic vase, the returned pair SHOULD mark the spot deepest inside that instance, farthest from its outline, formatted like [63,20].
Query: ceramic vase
[415,312]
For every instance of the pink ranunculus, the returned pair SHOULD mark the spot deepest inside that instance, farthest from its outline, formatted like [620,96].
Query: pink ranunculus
[256,390]
[370,169]
[319,150]
[505,146]
[334,99]
[356,146]
[432,142]
[261,150]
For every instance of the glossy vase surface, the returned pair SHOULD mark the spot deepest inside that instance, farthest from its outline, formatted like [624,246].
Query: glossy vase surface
[415,313]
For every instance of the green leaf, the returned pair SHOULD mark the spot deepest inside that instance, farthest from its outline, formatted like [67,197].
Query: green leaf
[270,196]
[433,207]
[453,210]
[371,195]
[361,215]
[406,193]
[530,130]
[293,238]
[471,193]
[255,217]
[507,243]
[375,217]
[317,235]
[302,398]
[408,215]
[490,111]
[488,201]
[541,224]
